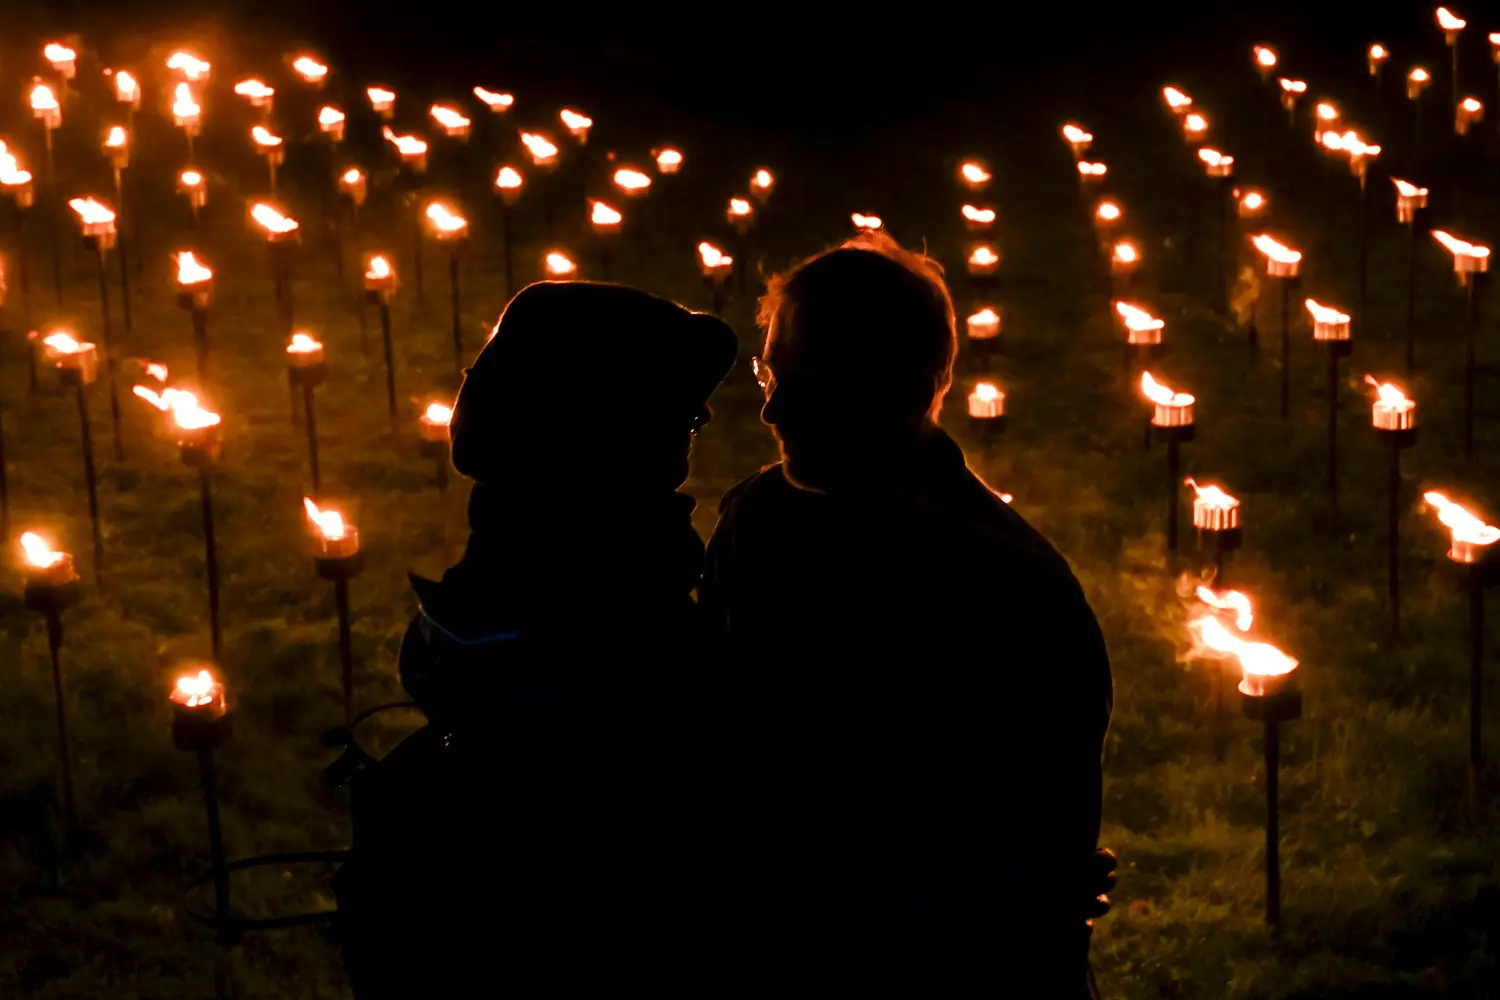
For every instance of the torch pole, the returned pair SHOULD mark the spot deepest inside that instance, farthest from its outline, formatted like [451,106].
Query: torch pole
[109,359]
[507,222]
[1364,244]
[1471,364]
[1174,485]
[1222,189]
[390,363]
[1273,827]
[346,647]
[417,266]
[200,342]
[1333,424]
[4,485]
[1411,297]
[276,282]
[1392,537]
[312,432]
[210,555]
[124,291]
[93,486]
[33,383]
[458,333]
[1476,689]
[52,229]
[1286,348]
[210,779]
[65,761]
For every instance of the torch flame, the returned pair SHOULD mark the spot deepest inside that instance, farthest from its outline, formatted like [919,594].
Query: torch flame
[64,343]
[560,264]
[762,180]
[406,145]
[987,392]
[156,370]
[379,96]
[271,219]
[91,211]
[575,121]
[1458,247]
[1462,524]
[444,218]
[1293,86]
[117,137]
[185,106]
[1327,112]
[38,552]
[1087,169]
[1419,75]
[56,53]
[1325,314]
[303,343]
[11,175]
[195,690]
[125,85]
[189,65]
[712,256]
[668,158]
[1214,158]
[190,271]
[1390,395]
[508,178]
[449,118]
[184,406]
[1194,124]
[630,179]
[1274,250]
[1471,105]
[983,216]
[602,214]
[254,89]
[190,178]
[1265,57]
[330,523]
[438,413]
[1449,21]
[984,255]
[1159,393]
[1076,135]
[987,315]
[1176,99]
[1126,253]
[1258,658]
[43,98]
[739,206]
[309,69]
[540,147]
[1137,318]
[494,100]
[379,268]
[1229,600]
[1378,53]
[329,116]
[974,173]
[264,137]
[1253,201]
[352,176]
[869,223]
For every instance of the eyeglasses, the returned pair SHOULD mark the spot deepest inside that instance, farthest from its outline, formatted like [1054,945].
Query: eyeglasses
[763,375]
[700,420]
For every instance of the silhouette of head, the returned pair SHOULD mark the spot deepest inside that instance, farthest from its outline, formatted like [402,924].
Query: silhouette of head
[859,353]
[588,386]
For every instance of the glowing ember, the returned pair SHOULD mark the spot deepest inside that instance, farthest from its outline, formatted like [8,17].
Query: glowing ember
[1176,99]
[1470,535]
[330,523]
[601,214]
[1265,57]
[576,123]
[668,161]
[559,264]
[190,66]
[452,120]
[1229,600]
[1450,22]
[255,90]
[309,69]
[979,216]
[493,100]
[542,150]
[197,690]
[190,271]
[631,181]
[408,146]
[866,223]
[38,552]
[273,221]
[264,138]
[974,174]
[444,219]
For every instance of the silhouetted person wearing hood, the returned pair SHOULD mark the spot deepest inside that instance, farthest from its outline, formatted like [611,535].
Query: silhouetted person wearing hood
[929,684]
[542,835]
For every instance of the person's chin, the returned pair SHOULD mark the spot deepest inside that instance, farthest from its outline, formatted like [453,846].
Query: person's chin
[803,468]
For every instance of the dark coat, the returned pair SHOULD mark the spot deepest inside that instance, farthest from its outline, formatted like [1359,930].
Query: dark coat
[930,693]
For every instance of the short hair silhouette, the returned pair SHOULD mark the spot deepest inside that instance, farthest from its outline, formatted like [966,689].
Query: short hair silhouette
[874,312]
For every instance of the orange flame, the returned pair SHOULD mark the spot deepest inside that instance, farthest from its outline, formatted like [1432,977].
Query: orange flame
[126,87]
[869,223]
[601,214]
[984,255]
[1214,158]
[444,219]
[1214,496]
[59,55]
[541,148]
[494,101]
[329,523]
[762,181]
[255,90]
[1378,53]
[380,98]
[1257,659]
[1325,314]
[631,180]
[560,264]
[1075,135]
[1408,190]
[156,370]
[668,159]
[43,98]
[438,413]
[508,178]
[38,552]
[574,121]
[1253,201]
[1126,252]
[264,137]
[329,116]
[1458,247]
[983,216]
[1449,21]
[184,407]
[1194,124]
[987,392]
[740,206]
[1276,251]
[1419,75]
[185,106]
[406,145]
[713,257]
[1163,395]
[272,220]
[1087,169]
[1176,99]
[309,69]
[973,173]
[379,268]
[1265,57]
[189,65]
[1462,524]
[303,343]
[190,271]
[91,211]
[1137,318]
[63,343]
[984,317]
[451,119]
[1229,600]
[1391,396]
[197,690]
[1293,86]
[190,178]
[117,138]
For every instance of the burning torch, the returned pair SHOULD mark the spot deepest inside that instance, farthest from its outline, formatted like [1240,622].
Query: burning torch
[195,291]
[281,231]
[45,108]
[606,221]
[337,557]
[983,328]
[433,425]
[1471,264]
[987,413]
[1216,518]
[716,266]
[1282,264]
[1410,199]
[97,222]
[1172,419]
[200,725]
[380,288]
[451,230]
[51,587]
[1331,328]
[1394,417]
[306,369]
[508,183]
[77,364]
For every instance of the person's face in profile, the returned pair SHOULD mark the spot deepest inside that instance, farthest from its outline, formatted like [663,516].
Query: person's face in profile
[815,413]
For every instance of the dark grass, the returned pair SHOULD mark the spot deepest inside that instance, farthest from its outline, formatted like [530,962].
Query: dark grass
[1388,886]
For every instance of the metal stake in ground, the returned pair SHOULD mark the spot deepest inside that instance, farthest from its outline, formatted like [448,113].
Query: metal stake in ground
[1172,418]
[1471,264]
[508,181]
[1472,548]
[1410,199]
[1270,696]
[51,587]
[200,725]
[1331,328]
[281,232]
[435,443]
[337,557]
[451,229]
[195,291]
[99,235]
[1220,171]
[306,369]
[117,148]
[78,365]
[17,183]
[1394,416]
[380,288]
[1283,264]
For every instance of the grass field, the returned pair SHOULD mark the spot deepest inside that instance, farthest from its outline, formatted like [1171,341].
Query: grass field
[1389,888]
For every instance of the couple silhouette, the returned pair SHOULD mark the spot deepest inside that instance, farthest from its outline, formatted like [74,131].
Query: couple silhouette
[865,760]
